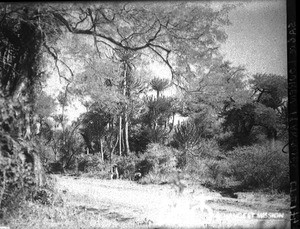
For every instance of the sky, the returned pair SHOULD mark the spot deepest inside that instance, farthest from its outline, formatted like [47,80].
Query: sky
[257,36]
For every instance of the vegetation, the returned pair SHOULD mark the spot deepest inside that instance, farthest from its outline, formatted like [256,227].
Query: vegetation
[232,128]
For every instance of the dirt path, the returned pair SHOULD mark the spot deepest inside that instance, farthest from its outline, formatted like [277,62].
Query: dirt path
[128,204]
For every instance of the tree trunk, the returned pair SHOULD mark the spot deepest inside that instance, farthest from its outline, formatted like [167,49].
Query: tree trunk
[76,166]
[38,170]
[126,138]
[126,93]
[120,135]
[101,149]
[173,121]
[272,143]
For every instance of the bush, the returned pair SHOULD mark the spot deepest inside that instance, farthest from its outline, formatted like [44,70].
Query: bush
[186,135]
[228,141]
[127,166]
[54,167]
[219,173]
[139,138]
[16,175]
[16,183]
[259,167]
[157,163]
[90,163]
[210,171]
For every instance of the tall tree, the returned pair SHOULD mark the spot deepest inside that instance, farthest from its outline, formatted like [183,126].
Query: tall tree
[270,92]
[179,34]
[264,114]
[25,31]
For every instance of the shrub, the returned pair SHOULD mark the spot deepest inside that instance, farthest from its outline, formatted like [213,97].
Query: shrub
[16,175]
[157,163]
[219,173]
[54,167]
[127,166]
[17,182]
[259,167]
[90,163]
[210,171]
[186,135]
[157,178]
[139,138]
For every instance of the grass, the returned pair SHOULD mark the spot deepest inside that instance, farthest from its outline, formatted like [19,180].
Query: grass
[70,211]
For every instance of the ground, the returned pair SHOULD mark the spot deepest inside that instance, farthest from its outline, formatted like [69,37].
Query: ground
[95,203]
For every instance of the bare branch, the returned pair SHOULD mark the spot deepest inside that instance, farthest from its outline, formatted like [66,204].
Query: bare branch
[165,60]
[53,53]
[82,20]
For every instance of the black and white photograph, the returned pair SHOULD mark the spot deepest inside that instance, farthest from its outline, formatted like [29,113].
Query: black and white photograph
[145,114]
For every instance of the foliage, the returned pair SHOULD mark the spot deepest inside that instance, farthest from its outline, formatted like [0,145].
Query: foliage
[157,30]
[158,135]
[24,33]
[158,160]
[94,123]
[192,138]
[158,111]
[54,167]
[89,163]
[264,115]
[240,121]
[17,181]
[270,89]
[127,166]
[187,135]
[16,159]
[218,174]
[44,105]
[259,167]
[212,92]
[206,164]
[139,139]
[153,125]
[130,30]
[70,148]
[159,85]
[66,144]
[185,37]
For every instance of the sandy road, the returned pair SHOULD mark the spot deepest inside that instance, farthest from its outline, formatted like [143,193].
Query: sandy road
[156,206]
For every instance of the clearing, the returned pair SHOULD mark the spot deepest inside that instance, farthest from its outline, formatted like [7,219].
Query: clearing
[126,204]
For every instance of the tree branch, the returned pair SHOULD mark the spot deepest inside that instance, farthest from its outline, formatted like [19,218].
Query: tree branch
[56,59]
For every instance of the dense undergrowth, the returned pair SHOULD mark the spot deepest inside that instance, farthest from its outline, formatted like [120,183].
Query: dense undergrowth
[253,168]
[247,168]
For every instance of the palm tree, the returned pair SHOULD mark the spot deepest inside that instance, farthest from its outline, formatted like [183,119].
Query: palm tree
[159,85]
